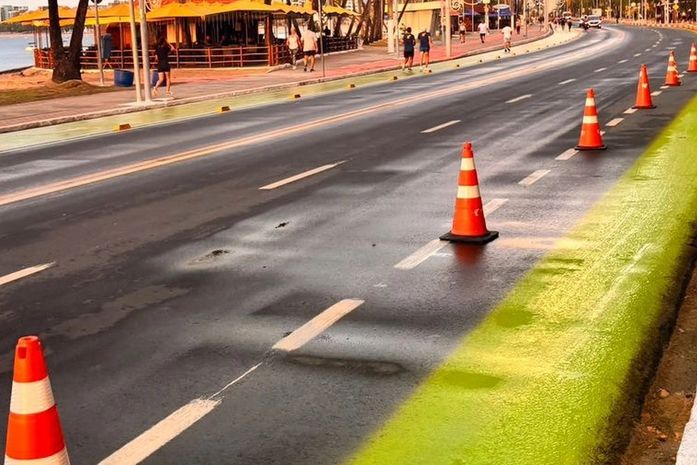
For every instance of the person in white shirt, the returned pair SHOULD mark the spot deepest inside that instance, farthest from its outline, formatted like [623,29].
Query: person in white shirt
[483,30]
[293,43]
[309,49]
[507,37]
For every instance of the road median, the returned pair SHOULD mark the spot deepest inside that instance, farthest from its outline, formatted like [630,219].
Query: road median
[556,371]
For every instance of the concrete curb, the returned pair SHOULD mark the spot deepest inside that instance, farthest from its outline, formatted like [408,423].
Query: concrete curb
[254,90]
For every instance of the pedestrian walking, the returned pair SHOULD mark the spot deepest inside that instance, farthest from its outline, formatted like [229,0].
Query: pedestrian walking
[569,24]
[293,43]
[507,38]
[164,69]
[409,43]
[309,39]
[562,22]
[463,31]
[425,42]
[483,31]
[517,25]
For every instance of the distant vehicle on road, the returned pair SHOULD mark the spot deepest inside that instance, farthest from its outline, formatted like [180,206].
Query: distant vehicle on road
[594,21]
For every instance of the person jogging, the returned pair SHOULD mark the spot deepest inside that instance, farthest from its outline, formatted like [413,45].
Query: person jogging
[483,31]
[507,37]
[409,42]
[425,42]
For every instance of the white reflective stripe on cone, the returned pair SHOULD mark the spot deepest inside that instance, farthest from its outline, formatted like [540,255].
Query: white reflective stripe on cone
[60,458]
[590,102]
[34,397]
[466,164]
[467,192]
[590,120]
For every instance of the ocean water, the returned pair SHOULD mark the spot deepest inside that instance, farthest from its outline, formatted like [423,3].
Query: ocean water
[13,53]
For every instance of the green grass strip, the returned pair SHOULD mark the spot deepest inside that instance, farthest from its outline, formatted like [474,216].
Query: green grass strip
[542,379]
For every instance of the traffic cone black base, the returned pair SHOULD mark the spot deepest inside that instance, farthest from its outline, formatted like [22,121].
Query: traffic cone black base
[648,107]
[478,240]
[583,149]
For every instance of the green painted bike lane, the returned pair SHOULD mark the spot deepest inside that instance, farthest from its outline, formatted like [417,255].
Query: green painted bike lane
[547,377]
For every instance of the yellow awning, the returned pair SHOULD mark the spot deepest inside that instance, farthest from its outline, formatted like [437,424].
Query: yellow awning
[42,15]
[116,10]
[106,20]
[337,10]
[300,10]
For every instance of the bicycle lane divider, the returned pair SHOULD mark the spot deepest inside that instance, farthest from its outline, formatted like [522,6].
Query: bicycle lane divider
[547,376]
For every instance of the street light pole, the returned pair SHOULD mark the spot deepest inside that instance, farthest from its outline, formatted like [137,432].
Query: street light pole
[134,49]
[448,28]
[321,38]
[98,40]
[145,52]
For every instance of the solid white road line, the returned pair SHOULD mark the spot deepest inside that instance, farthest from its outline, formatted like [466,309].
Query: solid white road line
[440,126]
[153,439]
[614,122]
[599,70]
[566,82]
[24,273]
[567,154]
[534,177]
[656,93]
[421,255]
[518,99]
[317,325]
[300,176]
[622,61]
[687,453]
[629,111]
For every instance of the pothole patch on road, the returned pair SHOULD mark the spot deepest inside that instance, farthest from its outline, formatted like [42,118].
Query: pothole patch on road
[372,367]
[210,257]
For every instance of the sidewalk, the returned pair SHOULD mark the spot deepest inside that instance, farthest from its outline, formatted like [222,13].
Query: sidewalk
[197,85]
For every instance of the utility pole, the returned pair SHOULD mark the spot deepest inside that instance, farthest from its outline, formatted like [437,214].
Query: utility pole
[448,29]
[134,50]
[98,40]
[145,51]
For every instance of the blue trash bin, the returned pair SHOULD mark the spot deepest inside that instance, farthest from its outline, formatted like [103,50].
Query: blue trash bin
[123,78]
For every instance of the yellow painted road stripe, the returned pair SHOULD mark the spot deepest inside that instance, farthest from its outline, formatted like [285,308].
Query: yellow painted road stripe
[317,325]
[300,176]
[101,176]
[24,273]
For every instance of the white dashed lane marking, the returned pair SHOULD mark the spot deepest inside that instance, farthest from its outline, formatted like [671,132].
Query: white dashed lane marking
[518,99]
[17,275]
[656,93]
[566,82]
[567,154]
[440,126]
[629,111]
[614,122]
[300,176]
[534,177]
[599,70]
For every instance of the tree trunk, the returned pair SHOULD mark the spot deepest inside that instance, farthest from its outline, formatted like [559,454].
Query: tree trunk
[66,63]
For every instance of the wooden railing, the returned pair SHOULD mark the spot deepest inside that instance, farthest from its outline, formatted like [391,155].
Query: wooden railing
[233,56]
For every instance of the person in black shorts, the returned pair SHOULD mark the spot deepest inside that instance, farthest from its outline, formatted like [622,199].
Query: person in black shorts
[409,42]
[425,42]
[164,69]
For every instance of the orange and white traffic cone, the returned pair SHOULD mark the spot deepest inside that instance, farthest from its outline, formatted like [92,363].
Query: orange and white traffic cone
[672,78]
[469,225]
[590,139]
[643,91]
[692,66]
[34,433]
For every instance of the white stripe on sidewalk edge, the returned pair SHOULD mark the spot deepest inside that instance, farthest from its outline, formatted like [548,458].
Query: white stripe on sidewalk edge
[534,177]
[518,99]
[433,247]
[317,325]
[153,439]
[300,176]
[567,154]
[8,278]
[614,122]
[440,126]
[687,453]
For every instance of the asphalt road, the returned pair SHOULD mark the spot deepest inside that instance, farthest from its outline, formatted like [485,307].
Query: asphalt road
[171,282]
